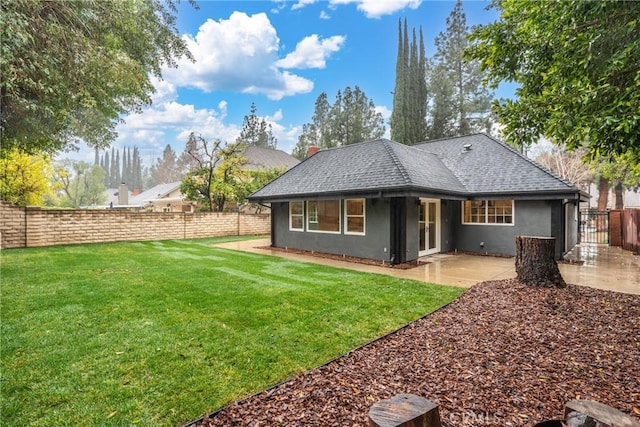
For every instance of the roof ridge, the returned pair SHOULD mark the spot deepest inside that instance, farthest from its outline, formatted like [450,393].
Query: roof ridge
[427,141]
[396,160]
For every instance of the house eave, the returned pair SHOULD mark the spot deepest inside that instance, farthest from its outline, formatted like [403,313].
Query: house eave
[426,193]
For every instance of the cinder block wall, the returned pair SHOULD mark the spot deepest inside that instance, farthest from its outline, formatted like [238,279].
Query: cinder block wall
[12,226]
[31,227]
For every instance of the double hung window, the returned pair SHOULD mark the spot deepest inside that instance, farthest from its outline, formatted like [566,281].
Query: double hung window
[487,212]
[354,216]
[296,216]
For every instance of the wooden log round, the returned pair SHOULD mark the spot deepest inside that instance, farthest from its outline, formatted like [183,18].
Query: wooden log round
[601,413]
[404,410]
[536,263]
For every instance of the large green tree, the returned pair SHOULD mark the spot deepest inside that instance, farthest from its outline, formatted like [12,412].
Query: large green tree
[577,66]
[218,175]
[78,184]
[256,131]
[166,169]
[460,104]
[71,69]
[352,118]
[316,133]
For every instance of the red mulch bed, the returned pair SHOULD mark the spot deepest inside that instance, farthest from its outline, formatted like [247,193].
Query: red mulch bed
[502,354]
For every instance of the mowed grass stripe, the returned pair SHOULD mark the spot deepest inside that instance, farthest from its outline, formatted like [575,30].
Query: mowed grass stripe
[134,334]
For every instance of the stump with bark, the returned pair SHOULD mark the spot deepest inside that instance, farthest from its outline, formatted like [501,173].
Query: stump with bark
[536,263]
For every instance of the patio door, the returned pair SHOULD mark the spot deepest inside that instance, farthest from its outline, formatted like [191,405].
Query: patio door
[429,226]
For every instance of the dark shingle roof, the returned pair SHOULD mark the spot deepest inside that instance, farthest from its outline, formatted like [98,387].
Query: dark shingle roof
[490,166]
[442,166]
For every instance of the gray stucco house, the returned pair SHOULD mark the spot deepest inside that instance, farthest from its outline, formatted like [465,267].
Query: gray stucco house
[390,202]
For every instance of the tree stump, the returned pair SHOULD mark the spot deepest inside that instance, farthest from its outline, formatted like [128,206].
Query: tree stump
[536,263]
[404,410]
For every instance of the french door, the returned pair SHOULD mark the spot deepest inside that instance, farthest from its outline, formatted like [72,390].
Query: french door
[429,226]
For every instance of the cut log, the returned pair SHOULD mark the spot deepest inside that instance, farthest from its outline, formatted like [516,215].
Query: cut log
[601,414]
[404,410]
[536,263]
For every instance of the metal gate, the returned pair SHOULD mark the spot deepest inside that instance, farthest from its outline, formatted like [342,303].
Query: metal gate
[594,227]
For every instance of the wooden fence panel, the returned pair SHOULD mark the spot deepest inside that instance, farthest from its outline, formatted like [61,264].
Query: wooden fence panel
[631,230]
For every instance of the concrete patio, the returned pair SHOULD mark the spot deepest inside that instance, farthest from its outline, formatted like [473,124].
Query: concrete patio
[601,266]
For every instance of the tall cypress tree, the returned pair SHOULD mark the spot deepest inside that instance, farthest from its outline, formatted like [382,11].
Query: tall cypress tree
[129,174]
[423,92]
[106,165]
[397,123]
[118,176]
[113,170]
[408,123]
[137,169]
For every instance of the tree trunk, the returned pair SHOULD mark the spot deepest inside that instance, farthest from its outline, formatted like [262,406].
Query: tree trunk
[619,189]
[535,262]
[603,194]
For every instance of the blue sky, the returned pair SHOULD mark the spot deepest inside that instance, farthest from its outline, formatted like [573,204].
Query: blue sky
[280,55]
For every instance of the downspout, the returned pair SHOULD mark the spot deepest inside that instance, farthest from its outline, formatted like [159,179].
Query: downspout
[564,226]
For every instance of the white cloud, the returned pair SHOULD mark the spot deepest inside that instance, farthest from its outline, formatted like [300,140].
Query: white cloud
[312,52]
[277,116]
[170,123]
[324,15]
[382,109]
[237,54]
[164,91]
[222,106]
[378,8]
[302,3]
[386,115]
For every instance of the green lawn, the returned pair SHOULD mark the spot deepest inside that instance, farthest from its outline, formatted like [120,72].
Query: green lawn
[161,333]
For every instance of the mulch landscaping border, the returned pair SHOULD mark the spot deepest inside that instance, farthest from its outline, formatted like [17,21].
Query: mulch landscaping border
[501,354]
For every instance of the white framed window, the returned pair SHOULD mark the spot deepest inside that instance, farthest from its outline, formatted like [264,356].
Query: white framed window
[323,216]
[313,213]
[296,216]
[491,212]
[354,214]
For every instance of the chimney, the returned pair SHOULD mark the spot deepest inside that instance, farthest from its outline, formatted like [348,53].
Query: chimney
[123,194]
[313,149]
[136,191]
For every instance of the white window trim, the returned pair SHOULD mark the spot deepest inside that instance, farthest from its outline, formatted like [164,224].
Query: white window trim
[291,217]
[309,230]
[364,218]
[486,215]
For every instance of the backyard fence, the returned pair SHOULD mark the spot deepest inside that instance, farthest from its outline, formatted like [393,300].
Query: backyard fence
[594,226]
[625,229]
[22,227]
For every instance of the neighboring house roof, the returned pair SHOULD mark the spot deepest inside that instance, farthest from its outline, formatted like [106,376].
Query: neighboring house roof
[158,192]
[463,167]
[112,196]
[268,158]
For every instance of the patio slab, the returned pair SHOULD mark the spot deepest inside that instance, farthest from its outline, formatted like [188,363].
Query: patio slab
[603,267]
